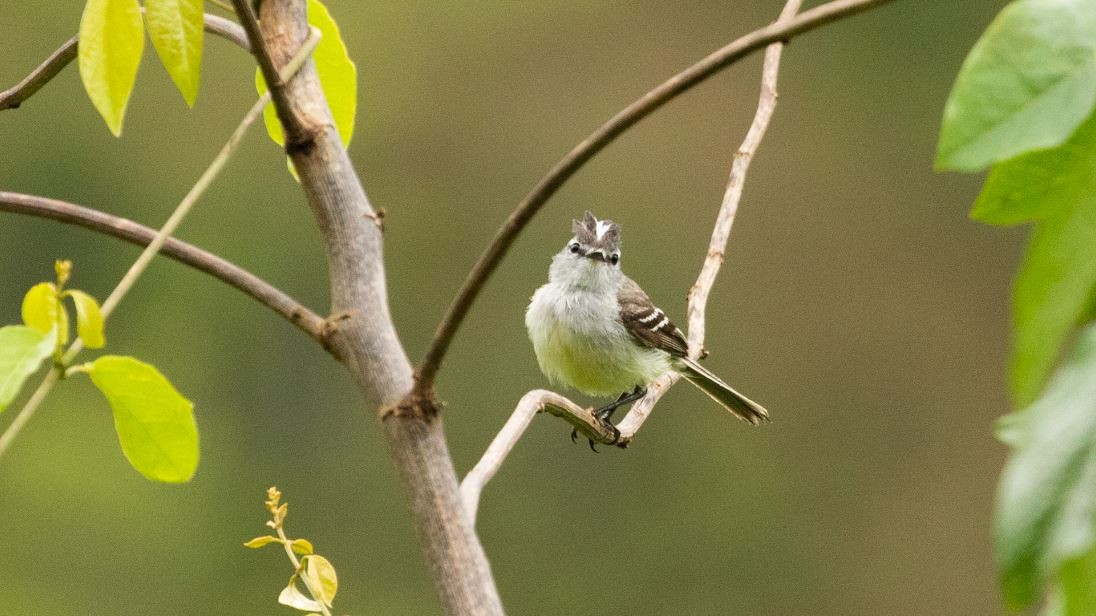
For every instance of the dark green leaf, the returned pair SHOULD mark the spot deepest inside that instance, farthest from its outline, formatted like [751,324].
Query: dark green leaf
[1046,501]
[1027,84]
[155,423]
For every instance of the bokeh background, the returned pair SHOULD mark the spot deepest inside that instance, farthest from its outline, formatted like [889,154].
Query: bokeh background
[858,303]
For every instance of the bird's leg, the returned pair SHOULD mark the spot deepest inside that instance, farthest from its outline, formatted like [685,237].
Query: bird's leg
[605,413]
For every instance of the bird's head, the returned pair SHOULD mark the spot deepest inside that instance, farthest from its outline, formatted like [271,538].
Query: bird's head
[591,258]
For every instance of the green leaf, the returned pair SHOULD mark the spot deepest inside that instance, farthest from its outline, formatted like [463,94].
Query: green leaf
[338,76]
[42,309]
[301,546]
[22,350]
[111,43]
[89,319]
[1033,186]
[259,542]
[321,578]
[1046,501]
[1078,589]
[1027,84]
[1055,286]
[155,423]
[175,27]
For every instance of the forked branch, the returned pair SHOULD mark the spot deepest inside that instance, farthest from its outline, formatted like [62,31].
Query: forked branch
[541,400]
[587,148]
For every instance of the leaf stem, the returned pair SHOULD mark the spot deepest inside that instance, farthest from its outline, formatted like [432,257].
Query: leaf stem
[288,545]
[28,409]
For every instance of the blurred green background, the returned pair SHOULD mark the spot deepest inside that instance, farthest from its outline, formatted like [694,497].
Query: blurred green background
[858,304]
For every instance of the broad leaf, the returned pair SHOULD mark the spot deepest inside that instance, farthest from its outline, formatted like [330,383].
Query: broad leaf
[175,27]
[338,76]
[321,578]
[89,319]
[1027,84]
[155,423]
[22,351]
[42,310]
[1046,504]
[1055,285]
[112,40]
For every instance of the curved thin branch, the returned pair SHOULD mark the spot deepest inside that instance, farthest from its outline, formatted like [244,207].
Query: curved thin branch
[188,254]
[58,60]
[603,136]
[583,419]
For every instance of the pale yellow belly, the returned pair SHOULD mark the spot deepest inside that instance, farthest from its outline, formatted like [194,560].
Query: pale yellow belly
[602,364]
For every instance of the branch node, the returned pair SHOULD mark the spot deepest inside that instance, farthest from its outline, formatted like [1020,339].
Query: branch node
[420,407]
[377,218]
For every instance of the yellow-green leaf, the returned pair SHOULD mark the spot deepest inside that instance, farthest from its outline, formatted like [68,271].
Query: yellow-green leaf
[89,319]
[301,546]
[321,578]
[112,40]
[175,27]
[42,310]
[22,350]
[155,423]
[338,76]
[259,542]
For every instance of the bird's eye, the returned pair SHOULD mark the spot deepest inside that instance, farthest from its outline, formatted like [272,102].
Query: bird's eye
[614,258]
[573,248]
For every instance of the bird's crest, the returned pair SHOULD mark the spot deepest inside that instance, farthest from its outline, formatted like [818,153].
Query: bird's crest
[594,233]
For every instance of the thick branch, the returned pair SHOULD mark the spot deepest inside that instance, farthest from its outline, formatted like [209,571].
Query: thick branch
[365,339]
[583,419]
[125,229]
[603,136]
[58,60]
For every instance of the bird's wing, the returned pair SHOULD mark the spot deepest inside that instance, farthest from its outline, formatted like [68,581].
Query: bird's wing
[647,323]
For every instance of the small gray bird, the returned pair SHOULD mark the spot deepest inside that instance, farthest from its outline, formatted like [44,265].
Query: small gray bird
[595,330]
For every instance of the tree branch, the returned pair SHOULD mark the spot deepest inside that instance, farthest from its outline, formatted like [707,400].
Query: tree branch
[583,419]
[201,260]
[58,60]
[365,339]
[603,136]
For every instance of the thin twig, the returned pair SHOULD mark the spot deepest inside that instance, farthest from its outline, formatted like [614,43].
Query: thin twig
[587,148]
[156,243]
[187,254]
[58,60]
[583,419]
[294,129]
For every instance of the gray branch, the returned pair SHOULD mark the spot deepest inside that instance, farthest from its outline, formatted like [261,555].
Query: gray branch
[363,334]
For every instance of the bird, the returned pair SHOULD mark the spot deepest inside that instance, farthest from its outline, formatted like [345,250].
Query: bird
[595,330]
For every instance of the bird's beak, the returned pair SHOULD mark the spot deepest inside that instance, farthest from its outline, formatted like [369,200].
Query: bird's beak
[596,255]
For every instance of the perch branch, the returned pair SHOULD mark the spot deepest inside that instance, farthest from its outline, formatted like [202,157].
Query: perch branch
[58,60]
[603,136]
[583,419]
[187,254]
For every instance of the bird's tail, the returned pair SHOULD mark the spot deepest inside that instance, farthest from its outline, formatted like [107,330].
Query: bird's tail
[742,407]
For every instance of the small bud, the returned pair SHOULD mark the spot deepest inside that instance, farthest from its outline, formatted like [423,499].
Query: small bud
[63,267]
